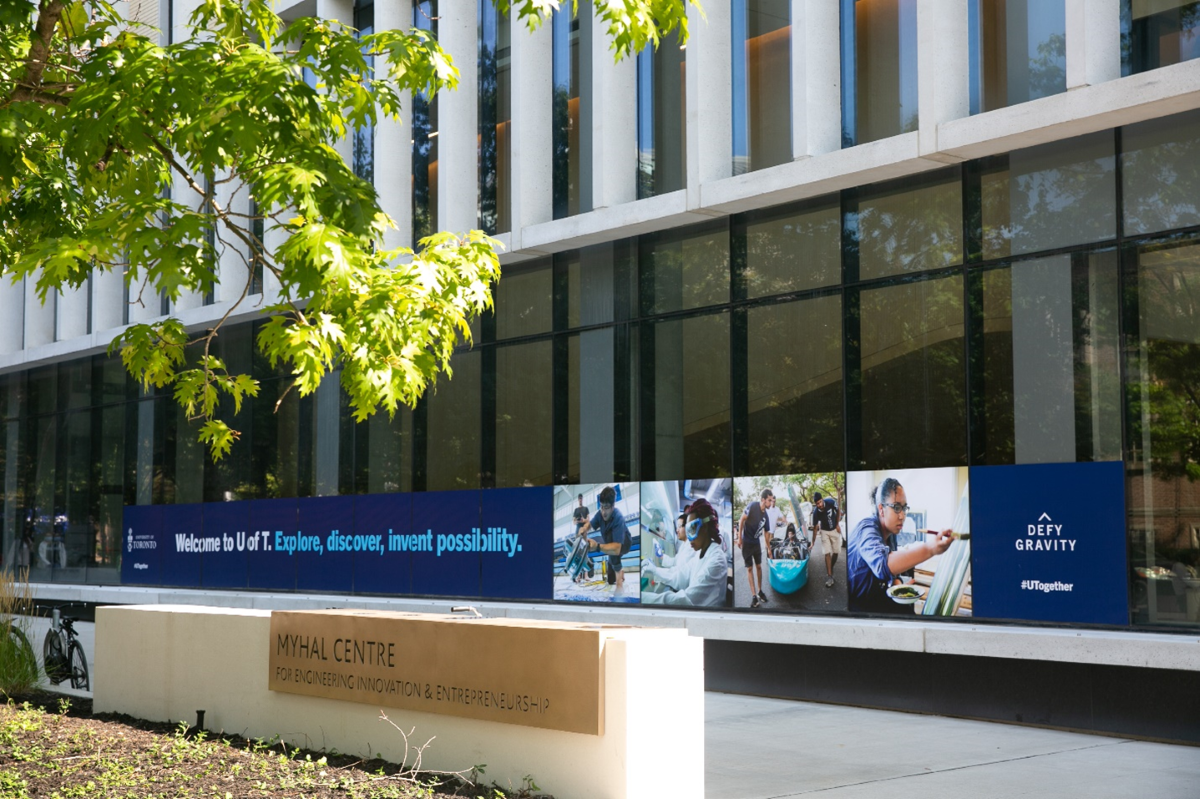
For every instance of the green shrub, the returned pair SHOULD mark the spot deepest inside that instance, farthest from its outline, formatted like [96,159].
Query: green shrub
[18,664]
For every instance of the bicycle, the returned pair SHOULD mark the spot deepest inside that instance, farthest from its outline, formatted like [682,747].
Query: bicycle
[62,654]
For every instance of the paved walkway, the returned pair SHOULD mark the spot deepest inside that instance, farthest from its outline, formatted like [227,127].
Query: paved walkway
[759,748]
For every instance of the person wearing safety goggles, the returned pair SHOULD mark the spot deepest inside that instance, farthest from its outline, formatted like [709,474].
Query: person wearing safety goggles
[700,580]
[871,564]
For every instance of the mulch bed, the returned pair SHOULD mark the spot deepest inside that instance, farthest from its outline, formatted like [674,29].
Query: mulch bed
[50,748]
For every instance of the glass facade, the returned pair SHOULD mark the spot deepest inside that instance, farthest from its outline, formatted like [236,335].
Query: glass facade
[495,120]
[1018,51]
[1037,308]
[1158,33]
[879,69]
[424,141]
[662,118]
[762,84]
[572,111]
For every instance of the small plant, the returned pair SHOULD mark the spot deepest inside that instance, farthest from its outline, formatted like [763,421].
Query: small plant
[18,664]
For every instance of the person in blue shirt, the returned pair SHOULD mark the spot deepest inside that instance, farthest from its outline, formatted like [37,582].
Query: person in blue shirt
[872,564]
[617,541]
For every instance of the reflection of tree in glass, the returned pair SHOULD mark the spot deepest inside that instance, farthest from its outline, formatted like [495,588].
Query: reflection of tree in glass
[1047,72]
[561,173]
[1169,293]
[488,144]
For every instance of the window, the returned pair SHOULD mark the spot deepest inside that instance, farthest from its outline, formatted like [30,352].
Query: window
[794,386]
[1158,33]
[879,69]
[1164,418]
[910,408]
[1045,385]
[1050,196]
[685,398]
[495,120]
[1160,170]
[572,111]
[662,121]
[910,226]
[762,84]
[424,142]
[1018,51]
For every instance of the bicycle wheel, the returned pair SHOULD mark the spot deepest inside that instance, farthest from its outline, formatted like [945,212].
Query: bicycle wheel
[79,671]
[54,660]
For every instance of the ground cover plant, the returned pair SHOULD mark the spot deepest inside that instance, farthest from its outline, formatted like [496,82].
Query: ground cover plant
[54,747]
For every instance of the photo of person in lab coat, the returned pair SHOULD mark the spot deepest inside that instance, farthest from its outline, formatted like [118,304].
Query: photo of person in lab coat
[701,579]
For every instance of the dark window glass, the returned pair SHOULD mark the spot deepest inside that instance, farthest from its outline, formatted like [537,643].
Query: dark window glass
[600,284]
[454,427]
[794,250]
[599,422]
[75,384]
[1018,51]
[43,390]
[41,525]
[282,458]
[389,452]
[1160,173]
[572,110]
[685,391]
[364,137]
[495,119]
[1050,196]
[78,522]
[794,387]
[684,271]
[910,228]
[1164,438]
[524,414]
[424,141]
[662,121]
[110,381]
[1047,385]
[1158,33]
[879,69]
[911,411]
[523,305]
[762,84]
[107,447]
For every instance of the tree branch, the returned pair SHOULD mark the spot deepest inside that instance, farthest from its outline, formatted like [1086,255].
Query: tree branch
[49,14]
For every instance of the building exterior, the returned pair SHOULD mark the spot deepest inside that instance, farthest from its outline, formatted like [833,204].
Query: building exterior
[828,243]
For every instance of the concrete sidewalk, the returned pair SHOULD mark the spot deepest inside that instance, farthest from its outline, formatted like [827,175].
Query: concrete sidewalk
[759,748]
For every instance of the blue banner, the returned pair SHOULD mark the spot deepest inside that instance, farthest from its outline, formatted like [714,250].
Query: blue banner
[143,543]
[390,517]
[1049,542]
[517,543]
[271,568]
[494,543]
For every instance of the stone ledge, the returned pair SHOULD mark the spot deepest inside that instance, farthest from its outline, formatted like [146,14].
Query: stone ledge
[1133,648]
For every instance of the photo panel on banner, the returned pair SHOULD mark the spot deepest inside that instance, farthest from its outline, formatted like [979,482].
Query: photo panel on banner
[597,542]
[789,542]
[909,546]
[686,543]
